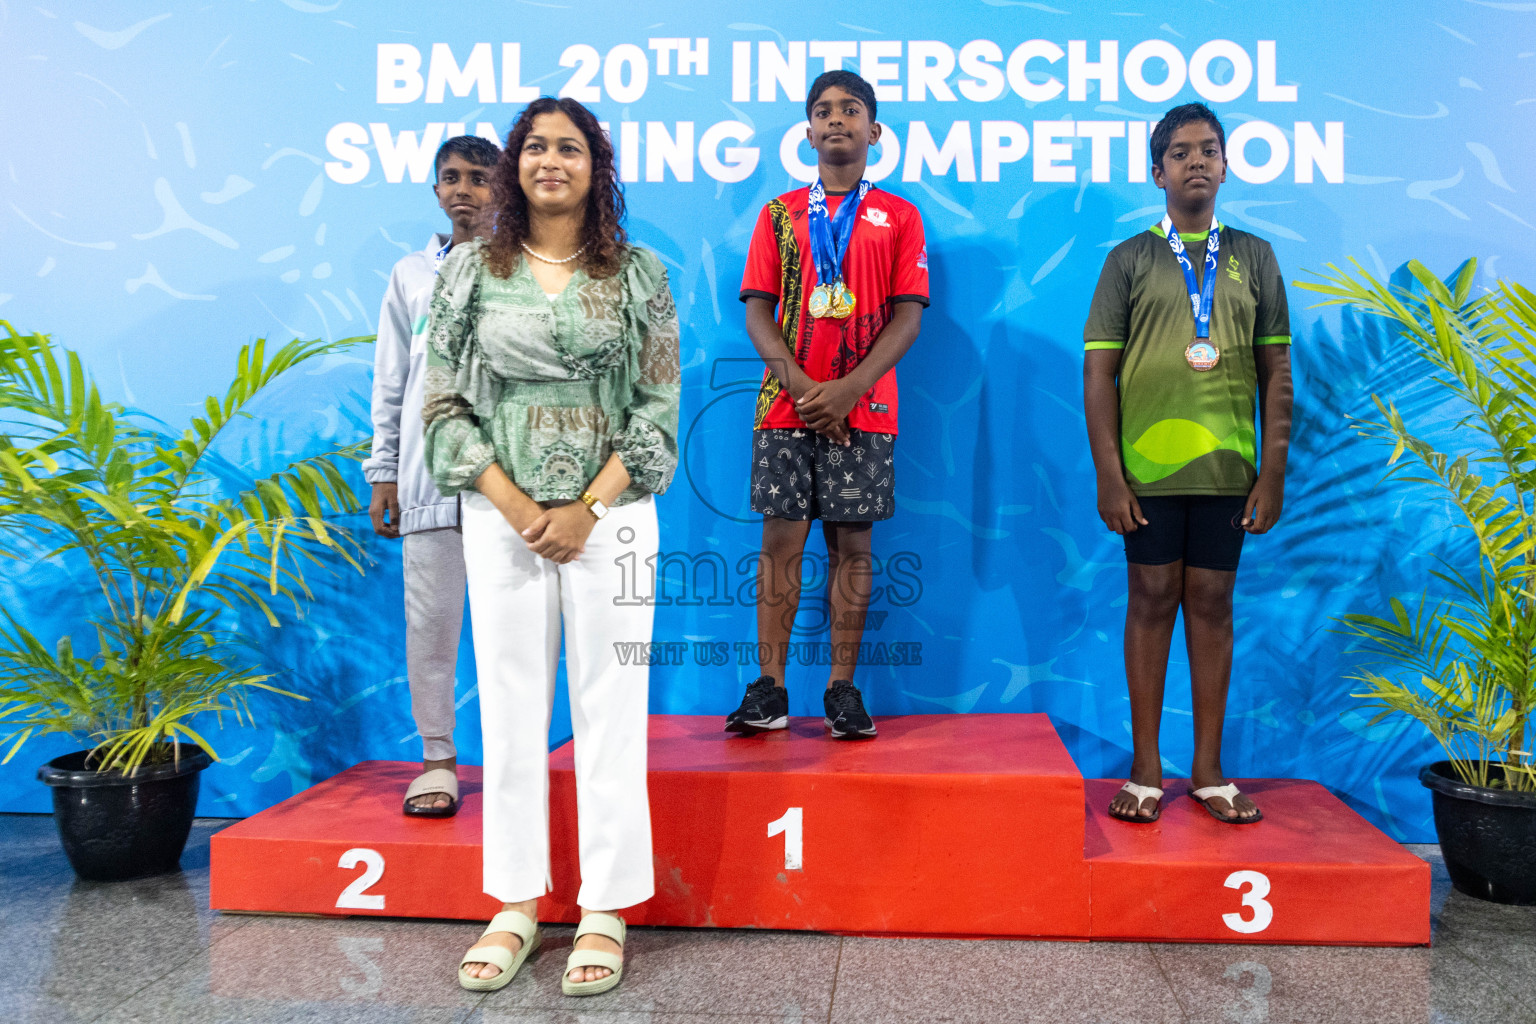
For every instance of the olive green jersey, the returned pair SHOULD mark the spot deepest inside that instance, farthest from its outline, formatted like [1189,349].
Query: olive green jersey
[1186,431]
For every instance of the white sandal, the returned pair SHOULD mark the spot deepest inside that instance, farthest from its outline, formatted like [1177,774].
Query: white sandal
[1229,794]
[519,924]
[595,923]
[438,780]
[1141,793]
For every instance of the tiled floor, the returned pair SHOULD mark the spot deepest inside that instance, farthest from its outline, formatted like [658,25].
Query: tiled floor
[151,951]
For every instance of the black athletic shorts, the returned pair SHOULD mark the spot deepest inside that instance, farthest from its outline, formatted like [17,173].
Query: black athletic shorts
[800,474]
[1204,531]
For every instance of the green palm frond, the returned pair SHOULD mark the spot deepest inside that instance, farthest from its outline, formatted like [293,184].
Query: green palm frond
[83,478]
[254,371]
[1466,668]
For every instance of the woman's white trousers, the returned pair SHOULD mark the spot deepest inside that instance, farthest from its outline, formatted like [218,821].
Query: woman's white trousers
[518,602]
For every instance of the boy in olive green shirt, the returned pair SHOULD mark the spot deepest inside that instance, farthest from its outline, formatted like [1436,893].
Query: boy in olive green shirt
[1188,325]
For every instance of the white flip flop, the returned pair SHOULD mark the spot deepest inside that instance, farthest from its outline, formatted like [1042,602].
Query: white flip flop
[1141,793]
[1229,794]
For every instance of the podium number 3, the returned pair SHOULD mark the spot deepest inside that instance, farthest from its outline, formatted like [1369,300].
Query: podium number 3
[1253,899]
[794,859]
[356,896]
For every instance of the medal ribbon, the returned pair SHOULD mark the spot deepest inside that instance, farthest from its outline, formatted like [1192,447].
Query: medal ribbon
[442,254]
[1202,295]
[829,236]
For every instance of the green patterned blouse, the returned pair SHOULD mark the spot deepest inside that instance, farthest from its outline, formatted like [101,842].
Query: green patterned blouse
[549,388]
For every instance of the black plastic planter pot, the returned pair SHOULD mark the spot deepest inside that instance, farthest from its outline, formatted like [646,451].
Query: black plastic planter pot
[1487,836]
[114,826]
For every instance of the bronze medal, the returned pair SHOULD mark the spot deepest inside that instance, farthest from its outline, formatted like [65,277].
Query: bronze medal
[1201,355]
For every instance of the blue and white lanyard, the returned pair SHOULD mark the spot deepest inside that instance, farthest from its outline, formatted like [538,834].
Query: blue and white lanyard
[442,254]
[1202,295]
[829,236]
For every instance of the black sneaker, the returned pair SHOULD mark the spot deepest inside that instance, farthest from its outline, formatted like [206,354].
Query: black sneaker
[765,707]
[846,716]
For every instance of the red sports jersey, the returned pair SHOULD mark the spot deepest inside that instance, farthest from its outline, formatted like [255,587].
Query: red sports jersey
[886,263]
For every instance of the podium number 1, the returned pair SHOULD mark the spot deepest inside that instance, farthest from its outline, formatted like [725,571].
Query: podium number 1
[1253,899]
[356,896]
[794,859]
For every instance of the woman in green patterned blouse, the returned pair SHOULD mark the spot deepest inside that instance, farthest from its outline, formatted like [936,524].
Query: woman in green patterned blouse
[552,391]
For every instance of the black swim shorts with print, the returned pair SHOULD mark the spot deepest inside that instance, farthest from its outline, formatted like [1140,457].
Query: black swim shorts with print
[800,474]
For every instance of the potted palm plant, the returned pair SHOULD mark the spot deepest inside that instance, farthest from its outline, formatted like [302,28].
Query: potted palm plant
[1464,665]
[175,555]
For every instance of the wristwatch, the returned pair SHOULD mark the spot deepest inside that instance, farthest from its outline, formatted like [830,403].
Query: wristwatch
[596,507]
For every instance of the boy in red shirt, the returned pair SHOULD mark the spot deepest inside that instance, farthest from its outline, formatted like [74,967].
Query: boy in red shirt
[847,269]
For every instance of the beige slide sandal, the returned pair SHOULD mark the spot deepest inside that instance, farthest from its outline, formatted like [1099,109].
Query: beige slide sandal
[438,780]
[518,924]
[595,923]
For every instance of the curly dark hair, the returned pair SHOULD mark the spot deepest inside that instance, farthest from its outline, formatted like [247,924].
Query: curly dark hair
[602,236]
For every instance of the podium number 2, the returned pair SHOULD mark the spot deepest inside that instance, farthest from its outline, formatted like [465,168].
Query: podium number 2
[356,896]
[794,859]
[1253,899]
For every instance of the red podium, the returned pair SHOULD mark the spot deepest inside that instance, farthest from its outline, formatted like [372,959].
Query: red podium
[1312,872]
[945,825]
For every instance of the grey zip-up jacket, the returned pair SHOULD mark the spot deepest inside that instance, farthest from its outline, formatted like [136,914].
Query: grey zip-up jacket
[399,366]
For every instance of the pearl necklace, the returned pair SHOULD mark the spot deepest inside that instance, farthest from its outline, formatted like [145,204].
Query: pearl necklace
[546,259]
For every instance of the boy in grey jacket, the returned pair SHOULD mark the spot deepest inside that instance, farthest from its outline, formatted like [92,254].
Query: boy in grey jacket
[405,502]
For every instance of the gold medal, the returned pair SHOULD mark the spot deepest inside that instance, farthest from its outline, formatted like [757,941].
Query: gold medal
[821,301]
[842,301]
[1201,355]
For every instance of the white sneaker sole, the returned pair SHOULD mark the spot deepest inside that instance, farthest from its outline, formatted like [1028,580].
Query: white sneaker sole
[761,725]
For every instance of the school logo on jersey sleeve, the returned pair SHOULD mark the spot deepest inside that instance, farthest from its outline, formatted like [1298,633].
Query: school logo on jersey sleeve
[922,259]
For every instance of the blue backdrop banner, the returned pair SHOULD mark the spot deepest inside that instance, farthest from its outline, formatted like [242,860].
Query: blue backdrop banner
[182,178]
